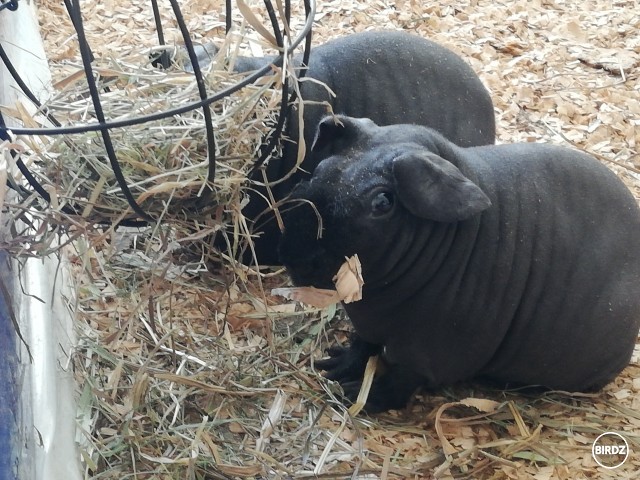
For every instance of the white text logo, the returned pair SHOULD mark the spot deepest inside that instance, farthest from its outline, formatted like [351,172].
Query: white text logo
[610,450]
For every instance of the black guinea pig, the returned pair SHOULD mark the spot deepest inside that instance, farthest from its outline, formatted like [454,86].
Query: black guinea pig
[514,263]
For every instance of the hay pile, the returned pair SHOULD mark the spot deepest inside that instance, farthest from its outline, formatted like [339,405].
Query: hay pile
[186,373]
[164,161]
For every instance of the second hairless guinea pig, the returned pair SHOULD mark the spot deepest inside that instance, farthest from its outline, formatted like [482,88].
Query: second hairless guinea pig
[390,77]
[515,263]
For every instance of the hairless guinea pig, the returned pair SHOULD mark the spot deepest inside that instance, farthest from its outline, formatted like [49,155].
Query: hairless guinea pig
[514,263]
[390,77]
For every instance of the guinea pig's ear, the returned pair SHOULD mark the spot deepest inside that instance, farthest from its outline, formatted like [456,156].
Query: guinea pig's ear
[433,188]
[336,132]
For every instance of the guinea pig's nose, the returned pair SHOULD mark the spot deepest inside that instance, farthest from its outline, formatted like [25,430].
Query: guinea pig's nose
[307,268]
[301,273]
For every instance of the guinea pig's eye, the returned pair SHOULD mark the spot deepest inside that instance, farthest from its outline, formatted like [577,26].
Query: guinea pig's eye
[382,203]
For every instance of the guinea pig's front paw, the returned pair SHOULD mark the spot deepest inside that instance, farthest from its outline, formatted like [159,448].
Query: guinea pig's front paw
[346,364]
[389,391]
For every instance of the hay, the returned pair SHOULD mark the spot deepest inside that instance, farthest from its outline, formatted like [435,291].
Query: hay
[165,163]
[184,373]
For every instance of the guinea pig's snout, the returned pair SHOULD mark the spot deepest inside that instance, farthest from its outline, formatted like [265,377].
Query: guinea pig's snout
[301,251]
[304,260]
[309,270]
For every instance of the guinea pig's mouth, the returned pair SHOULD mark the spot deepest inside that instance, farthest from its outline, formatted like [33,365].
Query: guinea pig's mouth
[302,249]
[302,253]
[308,268]
[307,278]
